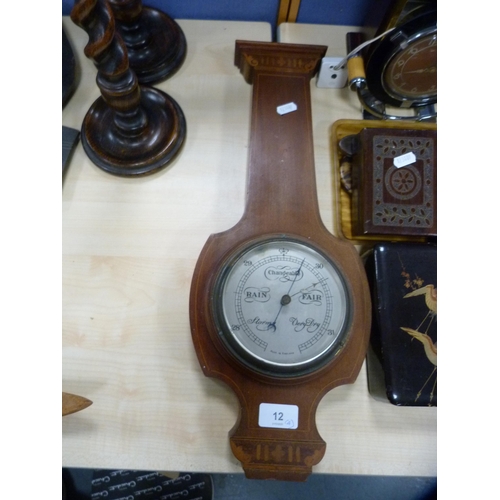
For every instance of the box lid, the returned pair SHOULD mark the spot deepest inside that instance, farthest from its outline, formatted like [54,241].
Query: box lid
[394,182]
[402,360]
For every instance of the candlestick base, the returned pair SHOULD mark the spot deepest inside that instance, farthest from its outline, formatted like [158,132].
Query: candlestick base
[135,153]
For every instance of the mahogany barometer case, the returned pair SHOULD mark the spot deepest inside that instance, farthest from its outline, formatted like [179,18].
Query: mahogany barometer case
[402,358]
[279,307]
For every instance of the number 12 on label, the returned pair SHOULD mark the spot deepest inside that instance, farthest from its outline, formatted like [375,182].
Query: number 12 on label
[276,415]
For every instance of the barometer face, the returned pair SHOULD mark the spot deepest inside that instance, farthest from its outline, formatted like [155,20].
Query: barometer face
[282,307]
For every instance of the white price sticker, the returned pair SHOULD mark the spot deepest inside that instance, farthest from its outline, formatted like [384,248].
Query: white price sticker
[281,416]
[286,108]
[404,160]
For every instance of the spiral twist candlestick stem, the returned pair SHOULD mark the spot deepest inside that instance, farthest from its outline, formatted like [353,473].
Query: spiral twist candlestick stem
[155,42]
[130,130]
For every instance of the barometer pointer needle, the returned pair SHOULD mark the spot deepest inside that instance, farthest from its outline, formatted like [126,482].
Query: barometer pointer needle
[310,286]
[286,298]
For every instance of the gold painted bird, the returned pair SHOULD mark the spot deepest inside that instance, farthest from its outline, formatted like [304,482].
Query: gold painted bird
[430,294]
[429,347]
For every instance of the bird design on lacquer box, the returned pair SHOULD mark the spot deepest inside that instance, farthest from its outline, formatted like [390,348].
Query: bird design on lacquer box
[430,347]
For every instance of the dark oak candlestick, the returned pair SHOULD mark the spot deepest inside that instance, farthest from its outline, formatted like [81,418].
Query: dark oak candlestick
[155,43]
[130,130]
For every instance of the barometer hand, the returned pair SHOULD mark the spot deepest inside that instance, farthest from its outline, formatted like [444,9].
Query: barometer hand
[306,289]
[286,298]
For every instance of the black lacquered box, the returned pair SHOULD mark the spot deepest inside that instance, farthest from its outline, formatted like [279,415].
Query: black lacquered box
[402,358]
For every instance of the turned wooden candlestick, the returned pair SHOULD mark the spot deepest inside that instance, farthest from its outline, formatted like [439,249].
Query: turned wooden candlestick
[155,43]
[129,130]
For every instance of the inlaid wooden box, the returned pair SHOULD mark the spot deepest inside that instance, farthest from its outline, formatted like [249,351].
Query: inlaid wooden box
[388,199]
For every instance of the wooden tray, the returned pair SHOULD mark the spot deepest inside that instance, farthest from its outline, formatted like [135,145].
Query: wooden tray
[342,220]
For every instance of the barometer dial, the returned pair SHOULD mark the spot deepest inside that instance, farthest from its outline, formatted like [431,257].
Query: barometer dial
[282,307]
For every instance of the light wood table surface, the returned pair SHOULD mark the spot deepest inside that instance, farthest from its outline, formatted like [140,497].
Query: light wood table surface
[129,250]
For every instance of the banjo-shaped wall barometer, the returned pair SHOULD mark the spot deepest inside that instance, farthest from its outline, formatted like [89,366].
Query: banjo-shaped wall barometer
[279,308]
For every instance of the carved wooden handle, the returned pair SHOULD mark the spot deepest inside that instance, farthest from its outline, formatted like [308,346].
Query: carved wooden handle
[71,403]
